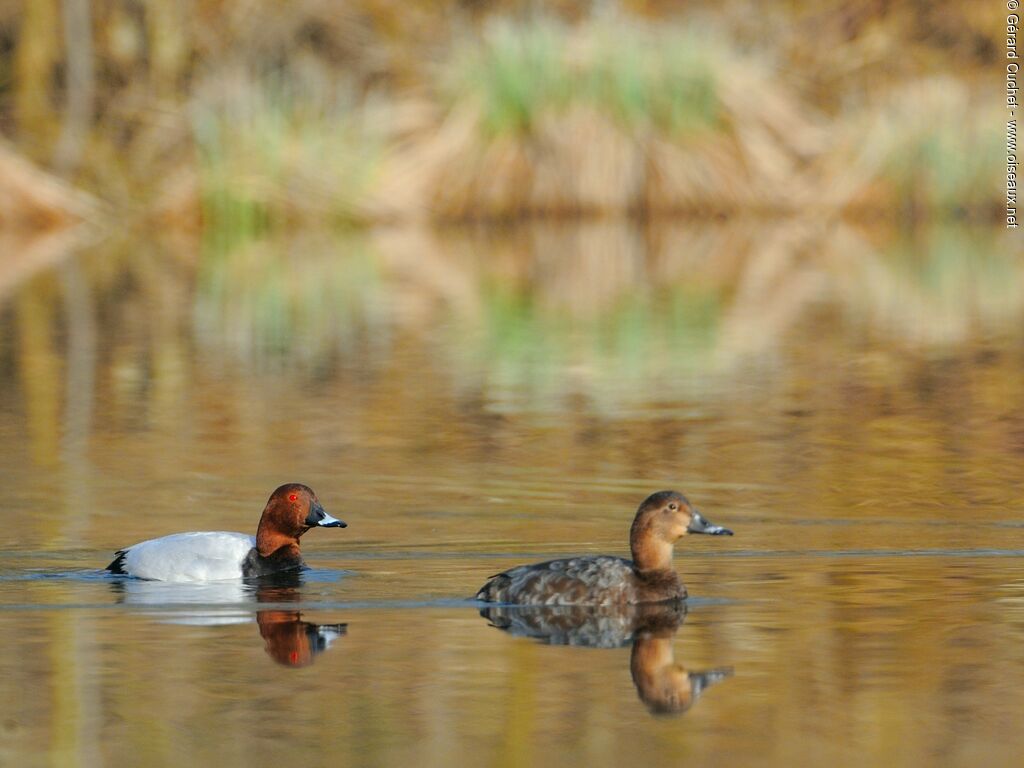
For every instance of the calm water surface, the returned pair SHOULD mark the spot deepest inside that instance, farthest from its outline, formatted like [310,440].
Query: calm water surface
[851,404]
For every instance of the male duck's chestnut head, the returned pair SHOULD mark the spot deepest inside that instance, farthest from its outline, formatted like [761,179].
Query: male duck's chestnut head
[291,510]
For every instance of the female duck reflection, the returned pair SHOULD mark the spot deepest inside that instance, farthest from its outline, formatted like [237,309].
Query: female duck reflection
[287,638]
[665,686]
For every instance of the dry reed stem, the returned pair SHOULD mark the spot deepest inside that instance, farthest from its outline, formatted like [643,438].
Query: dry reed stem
[26,253]
[427,278]
[31,198]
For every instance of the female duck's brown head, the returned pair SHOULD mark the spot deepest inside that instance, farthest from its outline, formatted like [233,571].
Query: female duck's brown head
[291,510]
[662,519]
[666,687]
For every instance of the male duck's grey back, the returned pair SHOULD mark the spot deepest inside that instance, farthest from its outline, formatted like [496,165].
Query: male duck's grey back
[661,520]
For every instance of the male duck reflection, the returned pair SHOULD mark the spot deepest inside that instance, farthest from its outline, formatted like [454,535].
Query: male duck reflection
[662,519]
[288,639]
[292,642]
[291,510]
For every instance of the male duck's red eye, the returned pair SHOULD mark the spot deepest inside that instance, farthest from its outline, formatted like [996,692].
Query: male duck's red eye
[293,496]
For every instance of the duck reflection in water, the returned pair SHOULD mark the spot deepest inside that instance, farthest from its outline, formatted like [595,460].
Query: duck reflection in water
[664,685]
[287,638]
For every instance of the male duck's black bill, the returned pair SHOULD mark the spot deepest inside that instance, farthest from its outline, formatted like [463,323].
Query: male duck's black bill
[317,517]
[698,524]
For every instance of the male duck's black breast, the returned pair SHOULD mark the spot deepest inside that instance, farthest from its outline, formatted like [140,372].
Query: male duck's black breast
[255,565]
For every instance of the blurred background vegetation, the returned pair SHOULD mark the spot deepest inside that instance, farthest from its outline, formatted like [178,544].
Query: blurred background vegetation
[248,115]
[488,271]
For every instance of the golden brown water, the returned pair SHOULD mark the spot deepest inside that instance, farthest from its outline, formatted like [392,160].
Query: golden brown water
[850,404]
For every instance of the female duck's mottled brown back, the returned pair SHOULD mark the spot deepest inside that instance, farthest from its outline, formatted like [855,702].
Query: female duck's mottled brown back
[660,521]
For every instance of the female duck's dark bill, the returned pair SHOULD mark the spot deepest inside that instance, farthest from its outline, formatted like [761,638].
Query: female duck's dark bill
[698,524]
[317,517]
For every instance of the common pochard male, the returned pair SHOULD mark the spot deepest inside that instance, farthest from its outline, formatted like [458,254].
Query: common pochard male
[291,510]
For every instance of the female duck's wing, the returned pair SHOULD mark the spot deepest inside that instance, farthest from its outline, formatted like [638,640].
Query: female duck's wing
[601,580]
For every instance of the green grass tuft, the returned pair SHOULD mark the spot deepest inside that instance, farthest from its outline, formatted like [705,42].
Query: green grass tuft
[272,151]
[632,72]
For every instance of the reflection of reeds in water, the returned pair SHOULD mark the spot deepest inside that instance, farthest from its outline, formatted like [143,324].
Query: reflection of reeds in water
[301,300]
[591,320]
[537,316]
[24,254]
[940,287]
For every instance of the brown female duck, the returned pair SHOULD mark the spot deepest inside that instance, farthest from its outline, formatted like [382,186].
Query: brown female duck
[662,519]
